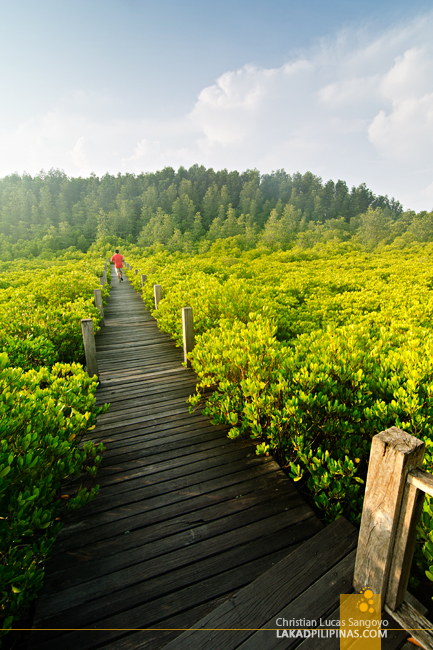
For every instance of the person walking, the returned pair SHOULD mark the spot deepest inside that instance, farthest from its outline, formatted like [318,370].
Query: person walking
[118,260]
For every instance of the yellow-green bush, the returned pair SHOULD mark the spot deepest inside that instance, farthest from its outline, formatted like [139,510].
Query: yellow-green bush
[311,353]
[45,409]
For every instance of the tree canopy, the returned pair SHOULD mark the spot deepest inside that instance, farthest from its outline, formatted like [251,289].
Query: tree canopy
[177,209]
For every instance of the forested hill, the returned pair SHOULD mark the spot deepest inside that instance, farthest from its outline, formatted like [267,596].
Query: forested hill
[51,211]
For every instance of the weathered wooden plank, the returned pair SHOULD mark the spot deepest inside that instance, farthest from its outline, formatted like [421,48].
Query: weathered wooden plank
[138,434]
[196,499]
[155,474]
[139,359]
[147,382]
[169,401]
[178,549]
[56,578]
[149,580]
[422,480]
[318,601]
[151,456]
[151,417]
[145,470]
[153,365]
[168,444]
[131,402]
[177,445]
[140,374]
[164,538]
[259,601]
[421,629]
[140,415]
[156,639]
[268,501]
[148,426]
[155,434]
[196,483]
[132,343]
[109,344]
[134,389]
[131,391]
[148,614]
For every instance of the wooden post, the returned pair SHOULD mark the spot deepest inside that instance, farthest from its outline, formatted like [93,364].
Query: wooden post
[136,271]
[105,277]
[157,292]
[89,347]
[394,453]
[143,280]
[98,303]
[188,333]
[102,282]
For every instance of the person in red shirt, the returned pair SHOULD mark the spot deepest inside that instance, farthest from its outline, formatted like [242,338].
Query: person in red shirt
[118,260]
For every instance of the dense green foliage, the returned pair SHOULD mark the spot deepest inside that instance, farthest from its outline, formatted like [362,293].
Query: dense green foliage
[191,208]
[312,309]
[46,405]
[41,305]
[310,353]
[43,417]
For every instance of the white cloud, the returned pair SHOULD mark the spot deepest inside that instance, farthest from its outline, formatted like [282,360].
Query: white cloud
[355,107]
[78,153]
[405,133]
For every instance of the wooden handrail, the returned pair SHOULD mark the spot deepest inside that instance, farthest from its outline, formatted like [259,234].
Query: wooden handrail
[393,501]
[422,480]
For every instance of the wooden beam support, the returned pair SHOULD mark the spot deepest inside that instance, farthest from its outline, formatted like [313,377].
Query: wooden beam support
[102,282]
[422,480]
[157,292]
[404,546]
[89,347]
[394,453]
[98,303]
[136,271]
[419,627]
[143,280]
[188,333]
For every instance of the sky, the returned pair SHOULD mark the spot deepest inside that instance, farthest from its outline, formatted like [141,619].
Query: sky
[340,88]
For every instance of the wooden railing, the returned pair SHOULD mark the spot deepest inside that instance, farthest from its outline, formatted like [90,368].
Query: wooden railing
[393,501]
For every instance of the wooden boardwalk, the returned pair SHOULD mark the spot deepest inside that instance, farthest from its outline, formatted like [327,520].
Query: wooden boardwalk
[186,520]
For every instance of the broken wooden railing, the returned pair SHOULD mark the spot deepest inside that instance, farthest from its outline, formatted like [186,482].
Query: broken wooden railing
[394,495]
